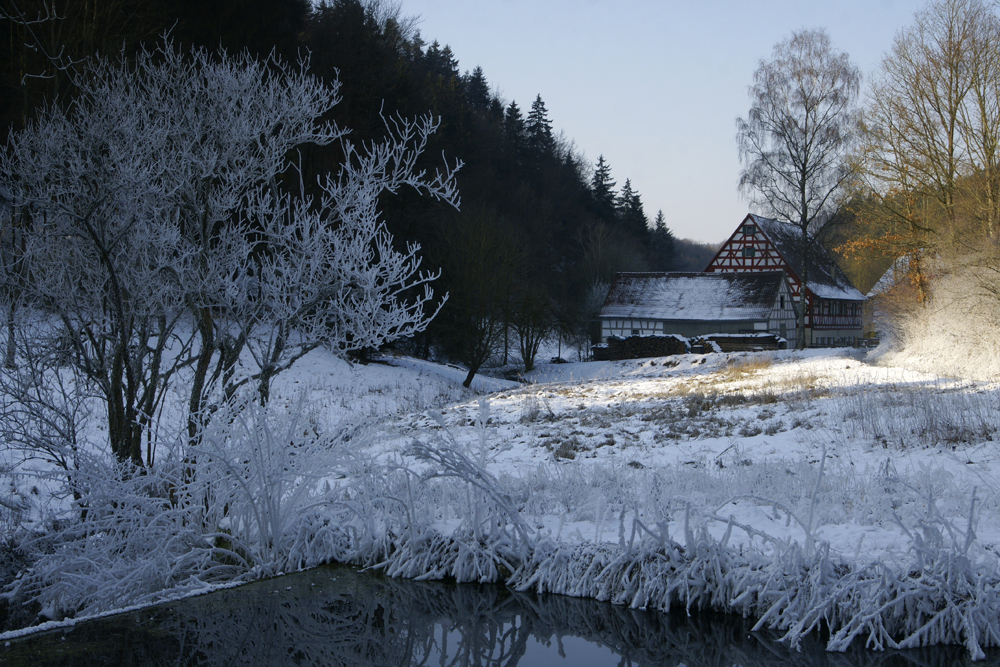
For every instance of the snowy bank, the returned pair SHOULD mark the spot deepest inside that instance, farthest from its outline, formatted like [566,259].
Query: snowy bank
[802,489]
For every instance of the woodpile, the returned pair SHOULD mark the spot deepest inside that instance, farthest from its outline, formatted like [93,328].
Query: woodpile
[639,347]
[742,342]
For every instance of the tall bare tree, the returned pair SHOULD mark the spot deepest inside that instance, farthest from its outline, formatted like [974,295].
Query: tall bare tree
[931,142]
[485,264]
[794,141]
[932,128]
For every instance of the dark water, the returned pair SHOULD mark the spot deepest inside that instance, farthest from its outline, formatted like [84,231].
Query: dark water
[336,616]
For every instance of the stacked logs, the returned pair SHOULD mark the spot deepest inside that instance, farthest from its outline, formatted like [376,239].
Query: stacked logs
[638,347]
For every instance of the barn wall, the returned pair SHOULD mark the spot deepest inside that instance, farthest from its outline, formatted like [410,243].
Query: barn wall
[686,328]
[783,313]
[624,328]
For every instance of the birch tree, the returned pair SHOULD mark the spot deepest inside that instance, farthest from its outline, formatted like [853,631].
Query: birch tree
[797,134]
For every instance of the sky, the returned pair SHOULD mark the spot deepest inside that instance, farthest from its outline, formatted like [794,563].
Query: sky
[654,86]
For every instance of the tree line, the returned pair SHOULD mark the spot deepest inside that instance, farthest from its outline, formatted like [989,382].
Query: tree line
[540,230]
[905,173]
[928,160]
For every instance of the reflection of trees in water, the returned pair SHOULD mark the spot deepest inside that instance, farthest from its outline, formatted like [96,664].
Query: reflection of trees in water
[335,616]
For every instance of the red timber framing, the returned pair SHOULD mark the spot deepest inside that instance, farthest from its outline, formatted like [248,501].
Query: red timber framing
[749,250]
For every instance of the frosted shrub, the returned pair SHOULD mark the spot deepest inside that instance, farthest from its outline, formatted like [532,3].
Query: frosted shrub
[238,507]
[127,537]
[955,333]
[452,483]
[259,470]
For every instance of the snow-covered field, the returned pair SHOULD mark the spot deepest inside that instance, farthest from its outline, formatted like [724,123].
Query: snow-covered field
[800,488]
[735,434]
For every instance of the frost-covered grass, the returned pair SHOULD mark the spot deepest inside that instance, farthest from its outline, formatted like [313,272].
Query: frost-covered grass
[805,490]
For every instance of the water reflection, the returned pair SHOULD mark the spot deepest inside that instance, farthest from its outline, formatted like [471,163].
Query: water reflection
[335,616]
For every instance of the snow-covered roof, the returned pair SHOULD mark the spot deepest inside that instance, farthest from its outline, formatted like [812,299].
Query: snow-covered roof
[693,296]
[892,277]
[825,278]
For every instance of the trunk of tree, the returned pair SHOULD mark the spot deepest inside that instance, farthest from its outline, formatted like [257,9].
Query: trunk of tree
[801,343]
[11,354]
[196,405]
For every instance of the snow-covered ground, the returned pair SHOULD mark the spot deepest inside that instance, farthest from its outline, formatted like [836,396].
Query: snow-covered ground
[735,434]
[870,471]
[799,487]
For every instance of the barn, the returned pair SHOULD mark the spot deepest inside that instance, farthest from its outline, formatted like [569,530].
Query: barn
[698,304]
[833,312]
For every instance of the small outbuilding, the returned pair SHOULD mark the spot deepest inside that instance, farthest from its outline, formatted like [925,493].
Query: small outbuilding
[698,304]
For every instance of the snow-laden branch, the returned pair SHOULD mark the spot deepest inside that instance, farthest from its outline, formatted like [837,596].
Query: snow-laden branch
[148,219]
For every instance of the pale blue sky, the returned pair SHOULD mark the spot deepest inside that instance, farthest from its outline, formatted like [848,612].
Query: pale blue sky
[653,86]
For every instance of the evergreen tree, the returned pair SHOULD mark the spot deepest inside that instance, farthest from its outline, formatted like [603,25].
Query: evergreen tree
[602,189]
[660,223]
[662,249]
[259,26]
[631,215]
[495,110]
[341,36]
[477,92]
[440,62]
[513,129]
[539,131]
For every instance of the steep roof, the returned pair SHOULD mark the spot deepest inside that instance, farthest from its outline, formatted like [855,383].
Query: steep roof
[693,296]
[894,275]
[826,280]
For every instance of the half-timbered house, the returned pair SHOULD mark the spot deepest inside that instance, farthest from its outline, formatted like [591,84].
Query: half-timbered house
[833,306]
[698,304]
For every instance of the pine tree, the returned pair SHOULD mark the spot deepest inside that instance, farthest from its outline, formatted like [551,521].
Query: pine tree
[539,130]
[631,215]
[660,223]
[602,189]
[495,110]
[662,250]
[513,129]
[477,92]
[624,200]
[440,61]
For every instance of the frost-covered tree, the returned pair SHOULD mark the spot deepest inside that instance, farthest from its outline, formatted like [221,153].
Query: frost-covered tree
[160,241]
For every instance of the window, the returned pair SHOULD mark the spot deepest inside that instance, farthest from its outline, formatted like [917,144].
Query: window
[749,230]
[635,332]
[749,251]
[782,301]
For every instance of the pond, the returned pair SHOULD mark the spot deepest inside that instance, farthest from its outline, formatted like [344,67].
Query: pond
[338,616]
